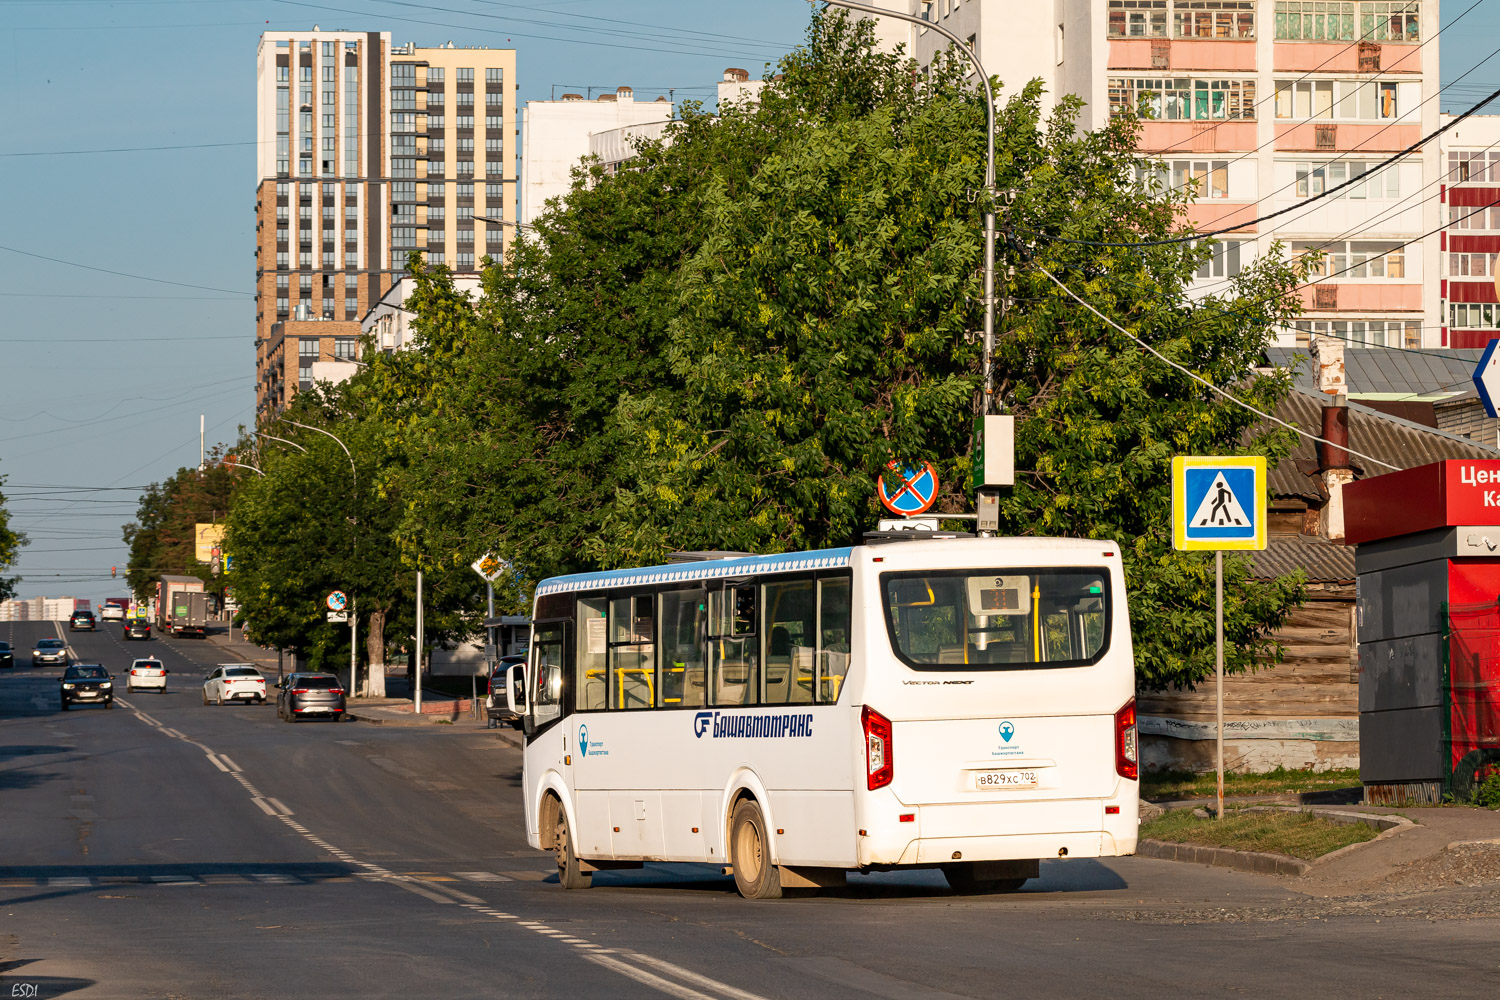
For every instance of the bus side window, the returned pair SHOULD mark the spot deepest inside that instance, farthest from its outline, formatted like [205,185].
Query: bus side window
[684,671]
[632,651]
[833,637]
[733,649]
[589,683]
[789,607]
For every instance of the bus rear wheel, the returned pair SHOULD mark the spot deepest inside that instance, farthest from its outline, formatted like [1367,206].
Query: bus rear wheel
[569,873]
[963,880]
[750,854]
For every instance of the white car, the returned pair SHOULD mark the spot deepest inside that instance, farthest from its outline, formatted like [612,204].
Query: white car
[111,613]
[146,673]
[234,682]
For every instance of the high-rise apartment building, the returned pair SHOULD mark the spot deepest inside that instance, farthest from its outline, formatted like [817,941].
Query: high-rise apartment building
[365,153]
[1471,235]
[1256,106]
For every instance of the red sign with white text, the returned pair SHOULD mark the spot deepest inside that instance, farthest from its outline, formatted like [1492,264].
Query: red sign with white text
[1454,491]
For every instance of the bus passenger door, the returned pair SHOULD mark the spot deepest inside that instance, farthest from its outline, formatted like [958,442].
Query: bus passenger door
[547,751]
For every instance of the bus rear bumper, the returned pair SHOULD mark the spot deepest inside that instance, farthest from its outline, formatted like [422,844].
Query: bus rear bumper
[1008,847]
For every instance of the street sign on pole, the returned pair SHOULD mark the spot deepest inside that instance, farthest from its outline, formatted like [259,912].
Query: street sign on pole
[908,490]
[338,601]
[1218,503]
[338,616]
[1487,373]
[489,566]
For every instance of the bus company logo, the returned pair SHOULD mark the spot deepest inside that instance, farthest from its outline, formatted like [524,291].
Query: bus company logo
[587,749]
[1007,731]
[797,725]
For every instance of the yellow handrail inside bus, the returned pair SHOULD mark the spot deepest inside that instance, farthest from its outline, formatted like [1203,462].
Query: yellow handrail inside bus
[1036,621]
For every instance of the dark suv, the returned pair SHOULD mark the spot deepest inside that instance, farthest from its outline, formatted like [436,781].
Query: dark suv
[82,620]
[302,695]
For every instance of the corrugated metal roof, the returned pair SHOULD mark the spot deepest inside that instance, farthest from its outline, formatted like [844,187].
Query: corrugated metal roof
[1320,559]
[1379,370]
[1398,442]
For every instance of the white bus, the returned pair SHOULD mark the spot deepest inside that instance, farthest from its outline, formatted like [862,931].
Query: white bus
[963,704]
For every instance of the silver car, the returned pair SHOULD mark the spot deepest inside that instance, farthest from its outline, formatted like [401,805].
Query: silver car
[50,652]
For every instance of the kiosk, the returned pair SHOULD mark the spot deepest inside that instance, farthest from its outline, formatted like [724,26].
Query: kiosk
[1428,621]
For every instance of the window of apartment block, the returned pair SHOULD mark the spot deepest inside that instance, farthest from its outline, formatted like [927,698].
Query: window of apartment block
[307,347]
[436,257]
[435,123]
[1315,178]
[403,99]
[1137,18]
[404,237]
[1473,217]
[494,235]
[436,192]
[435,213]
[282,261]
[1355,260]
[466,74]
[494,147]
[346,348]
[466,145]
[351,307]
[403,74]
[464,168]
[463,121]
[464,191]
[1370,100]
[1390,20]
[494,99]
[434,99]
[1198,178]
[464,99]
[1183,98]
[436,145]
[1471,265]
[465,261]
[1472,315]
[1315,20]
[493,192]
[328,308]
[1213,18]
[1363,332]
[494,121]
[464,235]
[1228,258]
[436,237]
[494,168]
[494,74]
[463,212]
[304,287]
[1471,166]
[436,168]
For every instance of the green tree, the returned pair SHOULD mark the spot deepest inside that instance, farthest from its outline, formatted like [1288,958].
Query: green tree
[723,346]
[163,537]
[11,542]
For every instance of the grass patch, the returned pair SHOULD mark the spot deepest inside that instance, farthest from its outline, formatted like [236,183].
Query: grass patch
[1298,834]
[1192,785]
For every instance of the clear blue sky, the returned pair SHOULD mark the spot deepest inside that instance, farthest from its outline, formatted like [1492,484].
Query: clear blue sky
[102,377]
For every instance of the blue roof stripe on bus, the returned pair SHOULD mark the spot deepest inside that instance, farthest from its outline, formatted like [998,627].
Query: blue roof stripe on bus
[786,562]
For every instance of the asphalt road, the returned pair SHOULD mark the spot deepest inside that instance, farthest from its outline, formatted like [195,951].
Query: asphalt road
[169,849]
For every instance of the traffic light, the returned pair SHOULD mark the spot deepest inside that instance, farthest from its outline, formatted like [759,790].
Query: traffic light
[112,572]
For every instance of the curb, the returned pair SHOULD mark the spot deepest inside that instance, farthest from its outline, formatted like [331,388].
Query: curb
[1265,863]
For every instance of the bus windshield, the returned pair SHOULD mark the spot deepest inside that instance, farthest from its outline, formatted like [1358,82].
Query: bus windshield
[997,619]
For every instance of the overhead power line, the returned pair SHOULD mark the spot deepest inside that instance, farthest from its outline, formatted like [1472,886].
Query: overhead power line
[1205,382]
[1194,237]
[124,274]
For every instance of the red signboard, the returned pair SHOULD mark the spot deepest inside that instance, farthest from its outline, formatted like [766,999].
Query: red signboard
[1455,491]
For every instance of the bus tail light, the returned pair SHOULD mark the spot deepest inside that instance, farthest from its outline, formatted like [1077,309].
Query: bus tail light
[1127,757]
[879,753]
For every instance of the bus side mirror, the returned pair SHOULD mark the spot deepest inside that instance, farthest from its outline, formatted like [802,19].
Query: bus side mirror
[515,689]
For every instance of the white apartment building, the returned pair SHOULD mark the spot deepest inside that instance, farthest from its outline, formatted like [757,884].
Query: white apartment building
[556,135]
[389,321]
[1470,315]
[1258,105]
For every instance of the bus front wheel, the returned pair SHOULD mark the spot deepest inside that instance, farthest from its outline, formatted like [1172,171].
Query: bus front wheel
[750,854]
[569,873]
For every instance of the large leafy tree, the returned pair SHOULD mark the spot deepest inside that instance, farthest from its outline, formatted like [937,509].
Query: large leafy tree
[11,542]
[723,345]
[162,538]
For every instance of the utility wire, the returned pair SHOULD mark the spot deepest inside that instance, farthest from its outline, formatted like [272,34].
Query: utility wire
[1290,208]
[123,274]
[1205,382]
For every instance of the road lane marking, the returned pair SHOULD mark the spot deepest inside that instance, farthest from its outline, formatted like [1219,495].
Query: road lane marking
[621,962]
[229,763]
[484,876]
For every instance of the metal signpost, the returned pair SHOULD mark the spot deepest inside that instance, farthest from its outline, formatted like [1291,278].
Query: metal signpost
[490,567]
[1218,503]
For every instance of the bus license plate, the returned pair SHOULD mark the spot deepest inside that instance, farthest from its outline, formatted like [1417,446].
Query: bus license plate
[984,780]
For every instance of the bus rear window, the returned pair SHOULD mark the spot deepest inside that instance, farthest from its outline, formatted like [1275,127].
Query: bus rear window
[997,619]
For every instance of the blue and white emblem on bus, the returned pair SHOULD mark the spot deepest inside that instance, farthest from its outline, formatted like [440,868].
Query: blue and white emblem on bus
[587,748]
[755,725]
[1007,731]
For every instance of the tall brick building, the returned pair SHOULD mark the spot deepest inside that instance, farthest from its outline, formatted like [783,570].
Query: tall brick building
[366,152]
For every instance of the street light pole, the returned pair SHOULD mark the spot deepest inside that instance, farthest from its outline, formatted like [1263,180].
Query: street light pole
[273,437]
[370,684]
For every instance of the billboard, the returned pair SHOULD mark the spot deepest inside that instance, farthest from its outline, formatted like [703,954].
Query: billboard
[206,538]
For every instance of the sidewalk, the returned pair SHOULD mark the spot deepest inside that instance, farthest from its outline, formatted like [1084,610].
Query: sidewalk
[239,650]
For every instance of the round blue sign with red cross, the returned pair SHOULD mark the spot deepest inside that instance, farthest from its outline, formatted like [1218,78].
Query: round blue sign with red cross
[907,489]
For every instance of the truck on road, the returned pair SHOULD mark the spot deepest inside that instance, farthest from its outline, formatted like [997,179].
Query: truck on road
[167,590]
[189,613]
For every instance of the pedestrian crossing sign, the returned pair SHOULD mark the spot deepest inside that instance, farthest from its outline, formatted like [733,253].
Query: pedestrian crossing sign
[1219,502]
